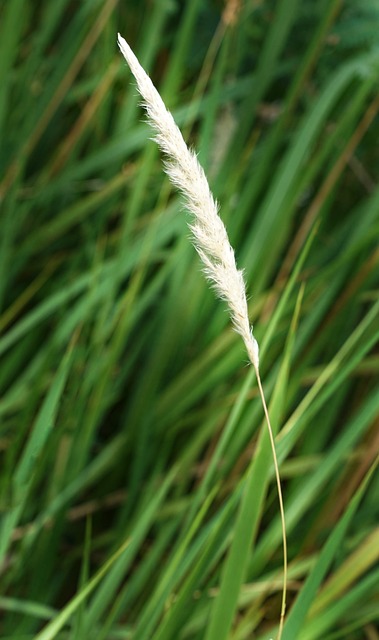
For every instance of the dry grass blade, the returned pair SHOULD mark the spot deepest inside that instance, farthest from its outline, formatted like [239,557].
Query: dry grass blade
[209,235]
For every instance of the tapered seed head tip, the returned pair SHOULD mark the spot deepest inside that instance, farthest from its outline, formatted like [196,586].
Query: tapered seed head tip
[124,48]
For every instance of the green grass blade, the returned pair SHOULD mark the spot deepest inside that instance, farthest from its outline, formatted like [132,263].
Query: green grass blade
[23,474]
[52,629]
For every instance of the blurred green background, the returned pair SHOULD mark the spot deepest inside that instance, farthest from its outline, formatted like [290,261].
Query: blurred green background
[137,495]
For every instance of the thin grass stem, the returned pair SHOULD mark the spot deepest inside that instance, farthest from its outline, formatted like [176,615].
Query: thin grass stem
[281,503]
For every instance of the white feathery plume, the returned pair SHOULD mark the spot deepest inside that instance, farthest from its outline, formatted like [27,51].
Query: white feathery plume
[209,238]
[209,235]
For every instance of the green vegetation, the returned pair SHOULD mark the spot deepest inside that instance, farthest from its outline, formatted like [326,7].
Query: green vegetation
[137,491]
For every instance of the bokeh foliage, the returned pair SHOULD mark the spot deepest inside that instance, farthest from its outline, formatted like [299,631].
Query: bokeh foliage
[133,448]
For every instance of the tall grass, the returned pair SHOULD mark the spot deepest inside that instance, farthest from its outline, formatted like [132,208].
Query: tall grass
[132,442]
[211,242]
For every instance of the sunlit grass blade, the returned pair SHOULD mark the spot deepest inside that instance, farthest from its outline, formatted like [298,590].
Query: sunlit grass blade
[52,629]
[250,510]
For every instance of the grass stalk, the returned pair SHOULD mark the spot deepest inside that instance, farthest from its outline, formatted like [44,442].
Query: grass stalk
[210,240]
[281,504]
